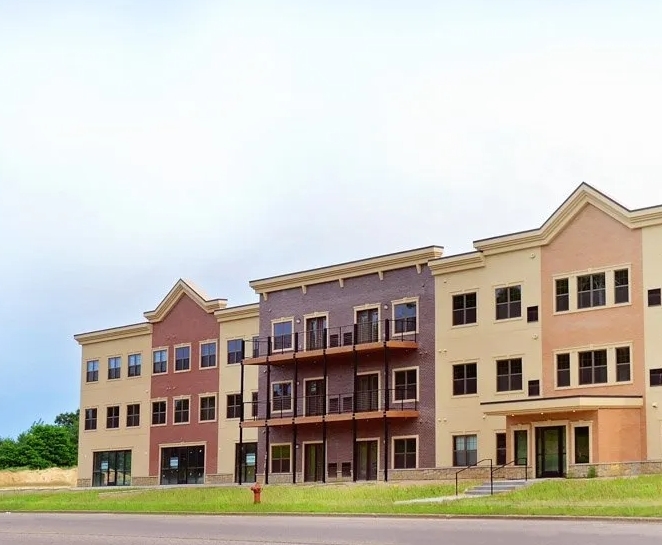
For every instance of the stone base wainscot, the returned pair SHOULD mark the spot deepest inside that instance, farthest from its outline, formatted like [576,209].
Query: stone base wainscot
[619,469]
[83,483]
[219,478]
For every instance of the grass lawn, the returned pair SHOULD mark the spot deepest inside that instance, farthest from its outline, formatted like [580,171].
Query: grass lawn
[639,496]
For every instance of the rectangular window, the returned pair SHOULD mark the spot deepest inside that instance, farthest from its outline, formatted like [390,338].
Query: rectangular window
[256,347]
[207,408]
[582,450]
[655,297]
[656,377]
[133,415]
[464,308]
[182,358]
[593,367]
[113,417]
[591,290]
[623,373]
[520,438]
[465,379]
[501,449]
[509,375]
[532,314]
[254,404]
[234,406]
[111,468]
[90,419]
[508,302]
[562,294]
[92,371]
[160,361]
[181,411]
[346,469]
[404,453]
[621,286]
[208,355]
[280,458]
[465,450]
[562,370]
[534,388]
[406,385]
[158,412]
[234,351]
[135,365]
[281,396]
[114,368]
[405,317]
[283,335]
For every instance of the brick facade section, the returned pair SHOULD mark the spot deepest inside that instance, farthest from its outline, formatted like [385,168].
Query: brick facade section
[186,323]
[339,302]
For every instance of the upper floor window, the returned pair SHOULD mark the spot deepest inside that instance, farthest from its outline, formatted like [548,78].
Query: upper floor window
[562,287]
[281,396]
[160,361]
[282,335]
[135,365]
[465,379]
[114,368]
[113,417]
[133,415]
[235,403]
[234,351]
[591,290]
[404,315]
[593,367]
[464,308]
[406,384]
[159,409]
[655,297]
[621,286]
[562,370]
[508,302]
[182,411]
[655,377]
[509,375]
[208,355]
[207,408]
[90,419]
[182,358]
[623,372]
[92,371]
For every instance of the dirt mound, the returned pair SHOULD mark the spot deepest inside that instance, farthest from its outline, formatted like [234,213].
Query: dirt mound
[42,477]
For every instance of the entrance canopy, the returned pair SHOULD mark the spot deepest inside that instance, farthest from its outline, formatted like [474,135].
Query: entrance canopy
[559,404]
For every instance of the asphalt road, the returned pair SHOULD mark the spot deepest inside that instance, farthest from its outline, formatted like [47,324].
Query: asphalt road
[65,529]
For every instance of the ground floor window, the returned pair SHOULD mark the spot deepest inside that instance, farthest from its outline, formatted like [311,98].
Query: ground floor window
[465,450]
[183,465]
[582,450]
[500,449]
[404,453]
[111,468]
[280,458]
[521,447]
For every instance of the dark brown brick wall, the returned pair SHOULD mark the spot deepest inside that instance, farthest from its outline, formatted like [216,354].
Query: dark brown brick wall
[185,323]
[339,302]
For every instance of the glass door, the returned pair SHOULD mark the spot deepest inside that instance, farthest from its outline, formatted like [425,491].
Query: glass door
[367,460]
[315,397]
[367,392]
[368,326]
[550,451]
[315,329]
[313,470]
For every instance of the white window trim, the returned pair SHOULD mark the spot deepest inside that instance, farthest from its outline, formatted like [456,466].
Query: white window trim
[418,384]
[174,357]
[571,442]
[611,365]
[452,294]
[452,378]
[128,365]
[83,419]
[418,451]
[151,411]
[292,400]
[174,410]
[305,397]
[313,316]
[404,301]
[284,320]
[216,408]
[167,362]
[522,312]
[200,345]
[378,440]
[529,447]
[271,452]
[228,394]
[140,415]
[116,356]
[370,306]
[524,388]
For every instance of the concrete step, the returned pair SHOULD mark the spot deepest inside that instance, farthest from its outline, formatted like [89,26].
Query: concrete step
[498,487]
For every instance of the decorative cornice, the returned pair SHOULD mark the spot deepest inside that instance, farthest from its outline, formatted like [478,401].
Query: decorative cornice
[455,263]
[340,272]
[180,289]
[242,312]
[114,333]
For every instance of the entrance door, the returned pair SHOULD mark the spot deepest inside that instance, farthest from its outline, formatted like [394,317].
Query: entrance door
[183,465]
[315,329]
[367,392]
[245,466]
[550,451]
[368,326]
[315,397]
[366,465]
[313,465]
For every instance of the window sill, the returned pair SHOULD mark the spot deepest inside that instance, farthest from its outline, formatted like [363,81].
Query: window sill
[208,421]
[463,326]
[158,425]
[510,392]
[207,368]
[181,423]
[183,370]
[508,320]
[589,309]
[464,396]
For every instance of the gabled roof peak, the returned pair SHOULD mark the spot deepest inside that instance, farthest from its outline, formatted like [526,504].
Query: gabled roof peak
[184,287]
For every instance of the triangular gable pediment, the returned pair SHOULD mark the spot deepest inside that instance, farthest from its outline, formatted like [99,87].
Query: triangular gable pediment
[584,195]
[180,289]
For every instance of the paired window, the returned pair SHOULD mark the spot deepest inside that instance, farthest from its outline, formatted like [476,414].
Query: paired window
[158,413]
[591,290]
[621,286]
[508,302]
[234,406]
[114,368]
[133,415]
[655,297]
[280,458]
[160,361]
[90,419]
[113,417]
[509,375]
[208,355]
[207,408]
[593,367]
[562,289]
[465,450]
[562,370]
[234,351]
[92,371]
[623,372]
[405,317]
[281,396]
[582,445]
[282,335]
[404,453]
[465,379]
[182,358]
[406,384]
[135,365]
[182,407]
[501,449]
[655,377]
[464,308]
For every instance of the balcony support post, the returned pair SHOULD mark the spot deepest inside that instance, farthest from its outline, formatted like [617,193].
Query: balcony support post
[295,454]
[355,407]
[387,396]
[240,467]
[324,403]
[267,455]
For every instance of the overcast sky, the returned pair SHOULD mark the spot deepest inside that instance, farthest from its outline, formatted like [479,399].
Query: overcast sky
[227,141]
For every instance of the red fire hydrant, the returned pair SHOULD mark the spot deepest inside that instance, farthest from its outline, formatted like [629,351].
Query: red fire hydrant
[257,491]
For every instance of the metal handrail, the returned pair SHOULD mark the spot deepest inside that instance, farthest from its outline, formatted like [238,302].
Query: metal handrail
[514,463]
[476,465]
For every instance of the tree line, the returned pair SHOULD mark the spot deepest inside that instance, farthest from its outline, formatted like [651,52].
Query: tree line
[43,445]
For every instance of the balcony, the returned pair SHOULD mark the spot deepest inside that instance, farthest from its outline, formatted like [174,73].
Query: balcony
[401,334]
[315,409]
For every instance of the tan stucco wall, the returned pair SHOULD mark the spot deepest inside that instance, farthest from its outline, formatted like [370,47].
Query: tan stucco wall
[484,343]
[120,392]
[230,383]
[652,278]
